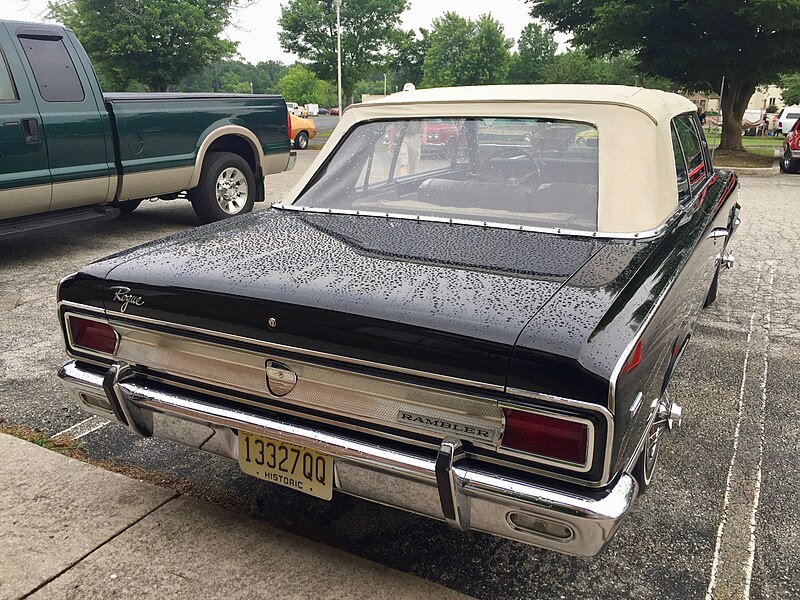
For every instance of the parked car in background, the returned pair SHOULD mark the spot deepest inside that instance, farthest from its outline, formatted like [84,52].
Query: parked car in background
[439,136]
[334,111]
[312,110]
[486,337]
[69,153]
[790,163]
[787,119]
[323,111]
[302,130]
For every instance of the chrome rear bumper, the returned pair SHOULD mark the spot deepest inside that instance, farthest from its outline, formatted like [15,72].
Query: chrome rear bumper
[440,486]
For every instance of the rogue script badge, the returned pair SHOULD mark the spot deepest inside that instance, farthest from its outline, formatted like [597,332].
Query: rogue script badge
[122,294]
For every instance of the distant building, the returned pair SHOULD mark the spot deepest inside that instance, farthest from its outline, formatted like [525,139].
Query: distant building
[763,98]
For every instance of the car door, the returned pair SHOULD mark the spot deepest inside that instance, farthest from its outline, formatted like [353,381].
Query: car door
[73,123]
[25,183]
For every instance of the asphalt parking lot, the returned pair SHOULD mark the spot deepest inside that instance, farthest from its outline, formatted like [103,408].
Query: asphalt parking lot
[720,521]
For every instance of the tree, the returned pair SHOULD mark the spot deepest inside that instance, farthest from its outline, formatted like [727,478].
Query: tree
[575,66]
[407,56]
[535,49]
[308,28]
[301,85]
[155,42]
[693,43]
[791,88]
[466,52]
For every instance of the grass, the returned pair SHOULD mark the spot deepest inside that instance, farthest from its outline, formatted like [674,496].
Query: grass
[62,445]
[759,151]
[319,140]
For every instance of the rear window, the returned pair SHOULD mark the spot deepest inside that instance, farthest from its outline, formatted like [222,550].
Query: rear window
[535,172]
[53,69]
[792,116]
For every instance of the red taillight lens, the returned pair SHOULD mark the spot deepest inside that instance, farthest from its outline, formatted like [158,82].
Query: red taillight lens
[289,123]
[550,437]
[92,335]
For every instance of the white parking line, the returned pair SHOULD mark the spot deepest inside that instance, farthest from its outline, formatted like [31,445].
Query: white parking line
[751,547]
[728,552]
[83,428]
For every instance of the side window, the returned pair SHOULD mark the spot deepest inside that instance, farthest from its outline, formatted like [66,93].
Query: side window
[53,69]
[680,167]
[7,91]
[692,150]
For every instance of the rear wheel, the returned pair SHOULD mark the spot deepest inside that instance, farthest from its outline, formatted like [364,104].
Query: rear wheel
[668,417]
[789,164]
[301,140]
[226,188]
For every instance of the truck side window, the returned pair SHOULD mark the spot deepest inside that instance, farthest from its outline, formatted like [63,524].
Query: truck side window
[53,69]
[7,91]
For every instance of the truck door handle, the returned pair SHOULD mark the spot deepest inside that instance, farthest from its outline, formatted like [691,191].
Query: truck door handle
[30,128]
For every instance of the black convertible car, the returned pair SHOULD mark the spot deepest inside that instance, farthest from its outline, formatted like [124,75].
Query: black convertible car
[484,335]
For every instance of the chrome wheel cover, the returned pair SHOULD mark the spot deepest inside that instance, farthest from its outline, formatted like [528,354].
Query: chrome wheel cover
[231,190]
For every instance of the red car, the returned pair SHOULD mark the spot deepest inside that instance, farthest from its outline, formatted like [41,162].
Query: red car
[790,163]
[439,136]
[334,112]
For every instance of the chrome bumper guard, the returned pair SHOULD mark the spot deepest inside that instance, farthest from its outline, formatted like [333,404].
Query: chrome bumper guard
[443,487]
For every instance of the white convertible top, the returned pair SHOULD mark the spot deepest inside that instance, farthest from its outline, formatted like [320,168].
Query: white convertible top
[637,181]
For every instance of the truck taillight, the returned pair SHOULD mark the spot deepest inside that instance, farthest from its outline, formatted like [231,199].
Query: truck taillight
[289,123]
[89,334]
[549,437]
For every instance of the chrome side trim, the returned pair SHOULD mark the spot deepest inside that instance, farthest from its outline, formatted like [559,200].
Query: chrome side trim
[636,235]
[580,405]
[302,351]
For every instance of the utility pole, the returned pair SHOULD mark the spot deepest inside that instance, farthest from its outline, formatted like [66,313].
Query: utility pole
[339,51]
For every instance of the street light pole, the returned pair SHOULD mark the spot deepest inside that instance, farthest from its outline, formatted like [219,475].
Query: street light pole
[384,84]
[339,51]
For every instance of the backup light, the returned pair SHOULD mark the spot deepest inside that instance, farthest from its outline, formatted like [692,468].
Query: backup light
[92,335]
[549,437]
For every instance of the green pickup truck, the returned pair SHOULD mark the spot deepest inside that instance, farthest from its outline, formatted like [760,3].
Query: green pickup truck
[70,153]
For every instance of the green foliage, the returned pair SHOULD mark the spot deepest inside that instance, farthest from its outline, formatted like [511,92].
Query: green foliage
[300,85]
[308,28]
[152,42]
[576,66]
[407,56]
[466,52]
[791,88]
[233,76]
[536,48]
[693,43]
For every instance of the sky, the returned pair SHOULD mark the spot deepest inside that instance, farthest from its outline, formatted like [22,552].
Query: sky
[256,26]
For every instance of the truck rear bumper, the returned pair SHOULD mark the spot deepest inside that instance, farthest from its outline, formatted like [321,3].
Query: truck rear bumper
[440,486]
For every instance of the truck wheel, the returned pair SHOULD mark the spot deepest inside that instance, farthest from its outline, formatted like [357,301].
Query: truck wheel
[126,208]
[226,188]
[301,140]
[789,164]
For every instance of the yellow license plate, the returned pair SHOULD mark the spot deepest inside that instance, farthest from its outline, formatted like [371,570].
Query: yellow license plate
[291,466]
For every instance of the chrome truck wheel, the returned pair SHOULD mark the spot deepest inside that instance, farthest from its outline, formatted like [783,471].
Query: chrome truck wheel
[226,188]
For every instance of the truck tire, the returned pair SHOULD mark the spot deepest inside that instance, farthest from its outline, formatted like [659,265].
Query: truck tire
[126,208]
[301,140]
[226,188]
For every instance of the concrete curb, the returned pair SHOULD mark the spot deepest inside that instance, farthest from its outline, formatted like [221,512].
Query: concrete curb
[775,169]
[69,529]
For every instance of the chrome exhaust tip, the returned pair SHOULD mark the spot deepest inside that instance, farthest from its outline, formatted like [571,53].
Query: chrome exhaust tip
[726,259]
[671,413]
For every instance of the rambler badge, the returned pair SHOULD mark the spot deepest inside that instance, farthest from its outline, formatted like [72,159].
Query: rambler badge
[122,294]
[478,433]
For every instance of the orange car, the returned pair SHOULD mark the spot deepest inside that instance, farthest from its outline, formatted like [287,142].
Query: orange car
[302,131]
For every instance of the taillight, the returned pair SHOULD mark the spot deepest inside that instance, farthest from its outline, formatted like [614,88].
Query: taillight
[634,359]
[92,335]
[549,437]
[289,123]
